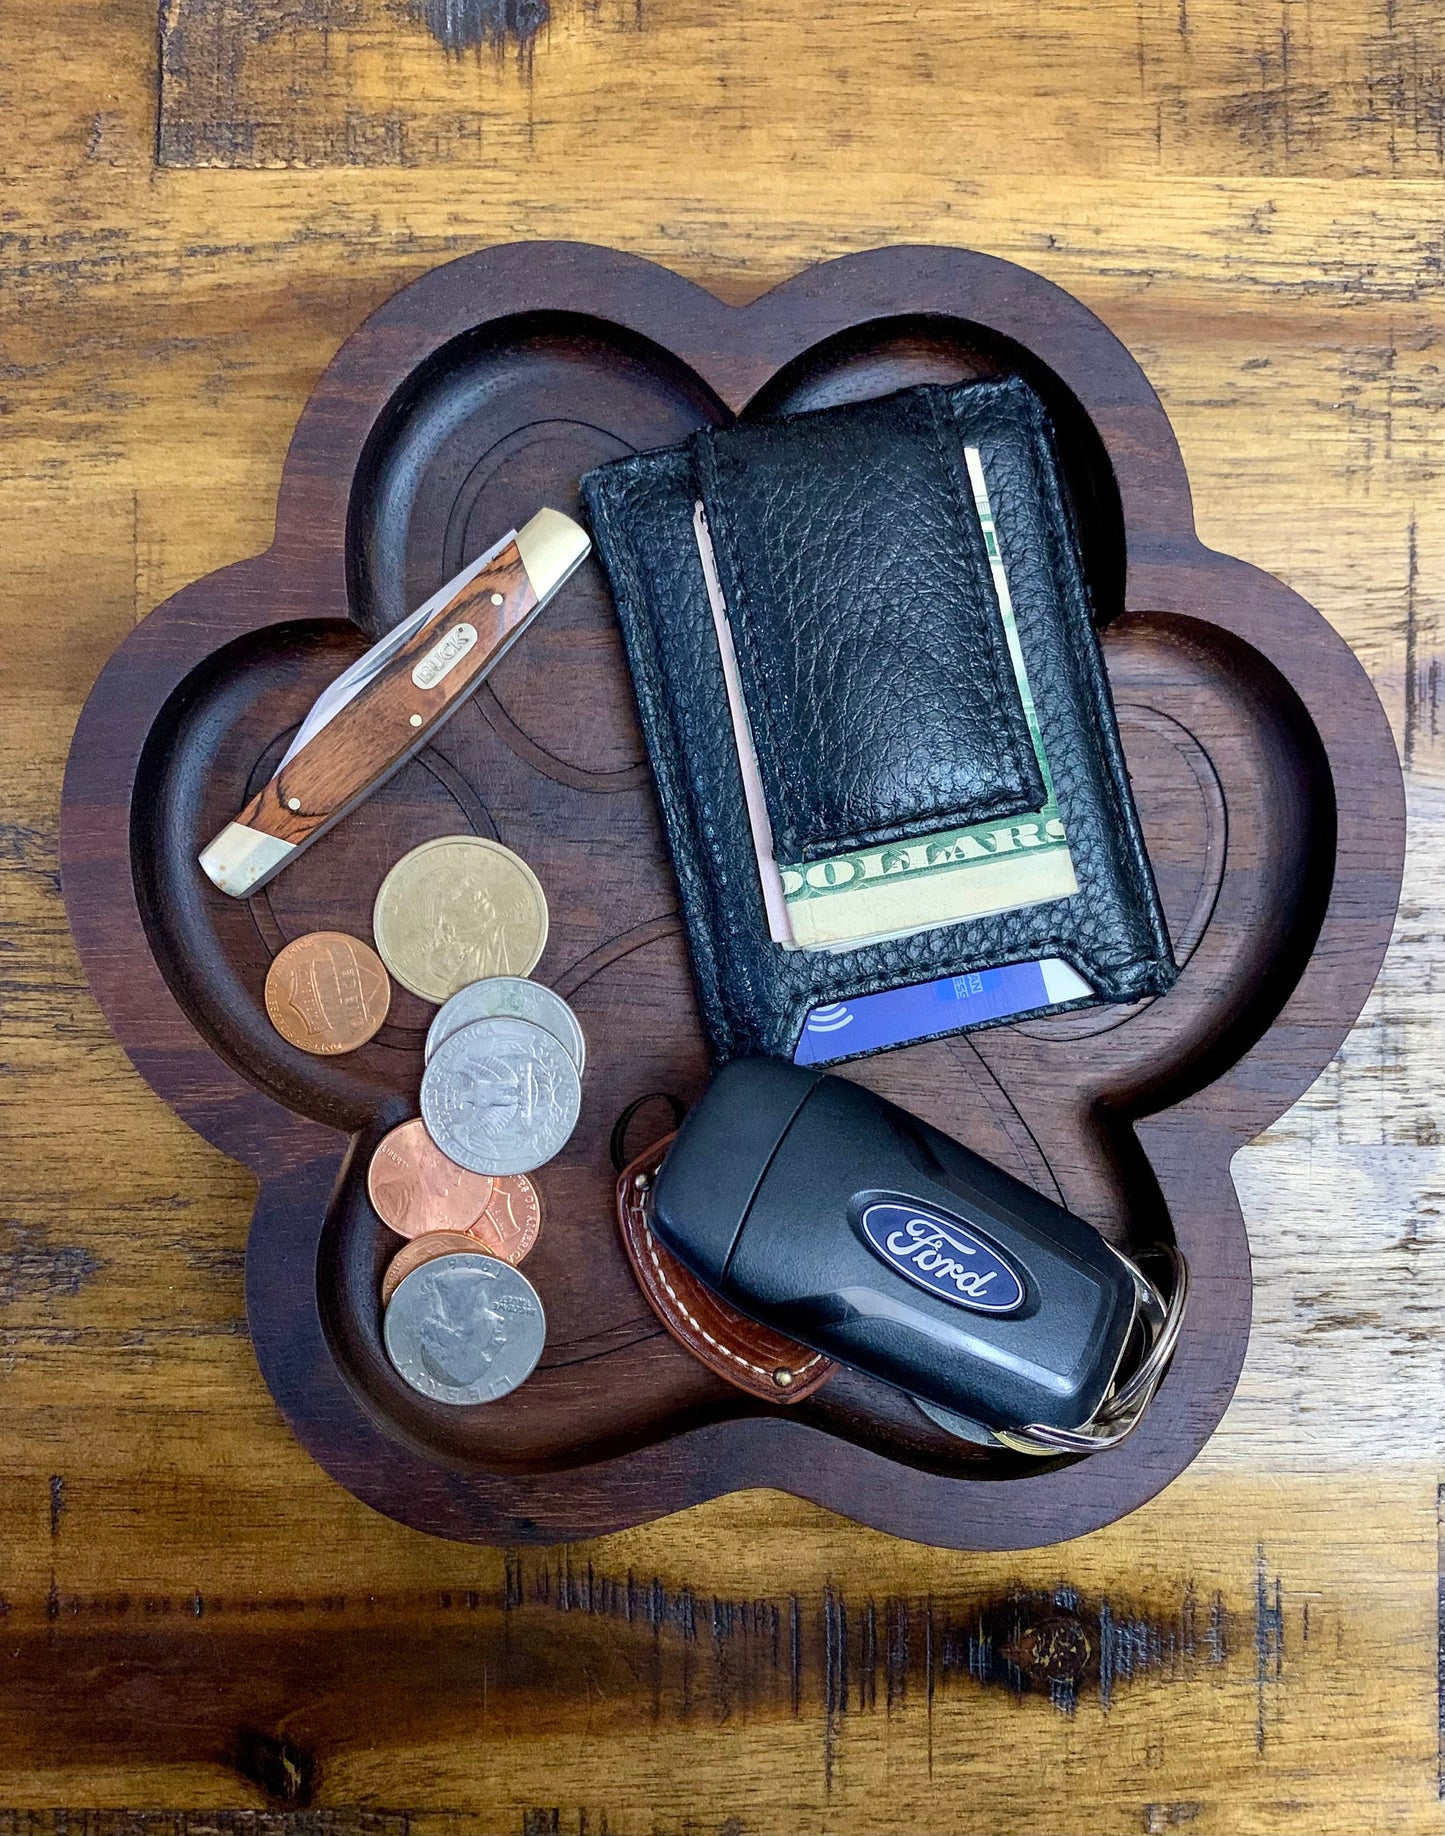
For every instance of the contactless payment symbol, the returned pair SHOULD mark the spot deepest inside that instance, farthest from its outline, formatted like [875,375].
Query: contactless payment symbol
[943,1256]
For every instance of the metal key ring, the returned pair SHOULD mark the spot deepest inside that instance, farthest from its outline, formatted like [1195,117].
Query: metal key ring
[1120,1411]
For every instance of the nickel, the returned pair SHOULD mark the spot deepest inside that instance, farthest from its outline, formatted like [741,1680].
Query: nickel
[501,1096]
[327,993]
[414,1188]
[510,995]
[456,910]
[465,1329]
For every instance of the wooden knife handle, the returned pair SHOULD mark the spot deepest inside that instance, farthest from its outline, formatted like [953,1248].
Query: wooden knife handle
[399,709]
[379,729]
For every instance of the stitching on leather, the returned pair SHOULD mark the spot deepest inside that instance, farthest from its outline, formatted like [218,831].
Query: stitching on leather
[758,1370]
[1132,857]
[657,719]
[704,874]
[740,613]
[1124,847]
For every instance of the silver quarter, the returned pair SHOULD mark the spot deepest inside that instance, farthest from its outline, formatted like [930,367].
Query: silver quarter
[501,1096]
[520,999]
[465,1329]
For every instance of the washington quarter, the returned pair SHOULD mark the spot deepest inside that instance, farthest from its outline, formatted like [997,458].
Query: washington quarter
[501,1096]
[514,996]
[465,1329]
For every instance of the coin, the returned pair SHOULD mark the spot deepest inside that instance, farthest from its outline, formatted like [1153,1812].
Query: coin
[456,910]
[327,992]
[508,1227]
[414,1188]
[515,996]
[500,1096]
[422,1250]
[465,1329]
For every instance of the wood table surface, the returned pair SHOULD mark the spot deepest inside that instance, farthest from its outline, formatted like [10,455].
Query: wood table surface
[198,1630]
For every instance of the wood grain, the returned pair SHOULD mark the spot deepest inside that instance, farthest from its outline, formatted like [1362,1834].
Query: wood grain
[161,330]
[393,716]
[1174,87]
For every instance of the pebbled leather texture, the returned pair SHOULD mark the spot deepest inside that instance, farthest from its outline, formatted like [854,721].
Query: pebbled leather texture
[753,994]
[873,661]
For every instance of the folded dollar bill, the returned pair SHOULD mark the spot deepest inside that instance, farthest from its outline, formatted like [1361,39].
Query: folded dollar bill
[892,890]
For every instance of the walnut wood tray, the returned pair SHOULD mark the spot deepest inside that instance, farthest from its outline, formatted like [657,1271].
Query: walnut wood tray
[1265,773]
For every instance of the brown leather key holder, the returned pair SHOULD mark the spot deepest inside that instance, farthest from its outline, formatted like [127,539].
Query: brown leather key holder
[750,1356]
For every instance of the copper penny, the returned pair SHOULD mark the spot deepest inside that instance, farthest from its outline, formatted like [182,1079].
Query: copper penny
[327,993]
[509,1225]
[415,1188]
[424,1249]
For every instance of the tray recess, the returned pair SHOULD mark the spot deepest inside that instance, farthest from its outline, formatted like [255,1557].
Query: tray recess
[1262,762]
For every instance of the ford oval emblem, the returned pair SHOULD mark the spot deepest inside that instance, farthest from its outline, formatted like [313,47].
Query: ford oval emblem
[943,1256]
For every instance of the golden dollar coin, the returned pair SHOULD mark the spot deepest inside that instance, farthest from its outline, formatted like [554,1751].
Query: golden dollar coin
[457,910]
[327,993]
[509,1225]
[425,1249]
[414,1188]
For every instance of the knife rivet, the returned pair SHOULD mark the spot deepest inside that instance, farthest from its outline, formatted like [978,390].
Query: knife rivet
[293,803]
[496,599]
[416,720]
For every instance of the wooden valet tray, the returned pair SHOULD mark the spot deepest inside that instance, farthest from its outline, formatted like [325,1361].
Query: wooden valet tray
[1263,765]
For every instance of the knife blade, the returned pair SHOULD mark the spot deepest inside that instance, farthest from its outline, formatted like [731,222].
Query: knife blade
[366,724]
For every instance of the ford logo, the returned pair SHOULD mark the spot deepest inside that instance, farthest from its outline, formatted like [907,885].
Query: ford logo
[943,1256]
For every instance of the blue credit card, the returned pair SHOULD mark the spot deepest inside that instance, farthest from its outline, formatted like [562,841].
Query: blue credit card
[899,1016]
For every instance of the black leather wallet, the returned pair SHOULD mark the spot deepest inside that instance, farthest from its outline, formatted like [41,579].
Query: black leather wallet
[925,696]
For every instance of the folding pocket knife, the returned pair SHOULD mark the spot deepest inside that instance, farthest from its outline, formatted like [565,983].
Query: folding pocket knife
[367,723]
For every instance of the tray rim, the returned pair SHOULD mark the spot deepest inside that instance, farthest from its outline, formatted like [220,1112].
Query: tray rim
[735,350]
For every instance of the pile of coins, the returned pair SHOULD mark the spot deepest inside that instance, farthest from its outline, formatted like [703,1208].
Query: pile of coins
[460,921]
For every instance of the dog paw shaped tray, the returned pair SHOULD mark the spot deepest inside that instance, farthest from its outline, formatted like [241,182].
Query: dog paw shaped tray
[1262,763]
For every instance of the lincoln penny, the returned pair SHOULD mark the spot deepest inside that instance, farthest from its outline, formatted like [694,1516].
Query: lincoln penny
[509,1225]
[414,1188]
[327,993]
[424,1249]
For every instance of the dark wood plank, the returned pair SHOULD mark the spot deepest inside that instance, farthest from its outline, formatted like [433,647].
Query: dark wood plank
[162,331]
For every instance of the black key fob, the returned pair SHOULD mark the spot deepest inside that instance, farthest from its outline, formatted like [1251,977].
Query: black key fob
[817,1207]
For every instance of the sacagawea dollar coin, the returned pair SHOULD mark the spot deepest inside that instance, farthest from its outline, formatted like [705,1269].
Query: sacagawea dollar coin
[457,910]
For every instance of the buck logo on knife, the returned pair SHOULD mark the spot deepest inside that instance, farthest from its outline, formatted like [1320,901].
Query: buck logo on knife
[453,647]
